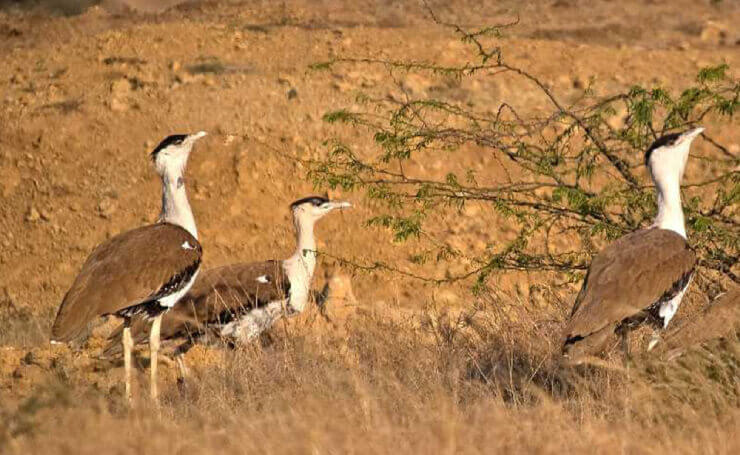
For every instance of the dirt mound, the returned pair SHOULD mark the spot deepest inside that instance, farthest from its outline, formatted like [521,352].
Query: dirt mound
[86,97]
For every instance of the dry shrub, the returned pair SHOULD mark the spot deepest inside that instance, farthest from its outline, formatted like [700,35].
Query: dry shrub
[20,326]
[482,382]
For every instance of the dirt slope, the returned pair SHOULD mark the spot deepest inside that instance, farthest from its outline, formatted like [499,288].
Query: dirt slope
[83,99]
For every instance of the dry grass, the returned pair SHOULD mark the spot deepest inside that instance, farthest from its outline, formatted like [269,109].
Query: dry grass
[476,383]
[481,383]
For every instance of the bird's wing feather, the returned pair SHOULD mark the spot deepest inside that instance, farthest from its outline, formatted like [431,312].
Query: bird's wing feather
[218,295]
[627,277]
[719,318]
[231,289]
[124,271]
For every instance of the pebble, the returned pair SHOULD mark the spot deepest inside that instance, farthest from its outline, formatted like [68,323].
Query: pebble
[106,208]
[119,90]
[713,32]
[33,215]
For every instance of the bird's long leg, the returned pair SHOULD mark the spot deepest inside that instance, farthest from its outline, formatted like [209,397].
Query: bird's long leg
[128,344]
[654,340]
[182,370]
[153,350]
[625,334]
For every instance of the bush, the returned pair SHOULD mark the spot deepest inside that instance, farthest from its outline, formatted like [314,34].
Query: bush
[571,169]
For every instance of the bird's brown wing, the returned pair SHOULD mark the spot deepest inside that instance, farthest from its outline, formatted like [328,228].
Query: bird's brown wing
[218,295]
[127,270]
[224,292]
[627,277]
[718,319]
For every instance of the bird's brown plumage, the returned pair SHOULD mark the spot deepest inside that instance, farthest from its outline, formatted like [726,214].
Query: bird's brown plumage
[717,320]
[625,279]
[218,296]
[127,270]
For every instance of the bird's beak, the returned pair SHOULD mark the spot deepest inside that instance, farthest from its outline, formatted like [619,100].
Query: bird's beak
[198,135]
[339,205]
[690,135]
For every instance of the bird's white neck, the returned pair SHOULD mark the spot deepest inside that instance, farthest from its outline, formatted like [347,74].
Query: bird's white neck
[175,205]
[301,265]
[305,251]
[670,213]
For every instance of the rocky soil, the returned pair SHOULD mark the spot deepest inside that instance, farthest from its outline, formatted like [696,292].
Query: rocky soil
[84,98]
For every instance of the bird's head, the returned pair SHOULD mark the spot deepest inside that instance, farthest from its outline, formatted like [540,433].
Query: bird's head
[313,208]
[171,155]
[666,157]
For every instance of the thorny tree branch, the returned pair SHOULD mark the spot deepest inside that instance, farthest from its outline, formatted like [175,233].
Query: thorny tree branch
[572,170]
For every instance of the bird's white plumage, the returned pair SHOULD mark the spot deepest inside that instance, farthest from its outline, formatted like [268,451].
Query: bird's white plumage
[300,270]
[668,309]
[170,300]
[250,325]
[170,164]
[667,165]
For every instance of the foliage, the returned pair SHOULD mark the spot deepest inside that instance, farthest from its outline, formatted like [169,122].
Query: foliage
[571,171]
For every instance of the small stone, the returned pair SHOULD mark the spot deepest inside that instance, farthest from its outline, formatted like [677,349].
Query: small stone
[106,208]
[292,93]
[118,105]
[120,87]
[713,32]
[33,215]
[120,90]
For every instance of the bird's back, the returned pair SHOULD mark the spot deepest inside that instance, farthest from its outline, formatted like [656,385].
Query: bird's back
[218,296]
[626,278]
[224,292]
[126,270]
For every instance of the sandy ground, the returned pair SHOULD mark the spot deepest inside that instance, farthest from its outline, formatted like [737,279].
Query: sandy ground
[84,98]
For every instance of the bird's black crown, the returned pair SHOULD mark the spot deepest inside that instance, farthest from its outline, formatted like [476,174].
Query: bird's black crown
[663,141]
[175,139]
[314,200]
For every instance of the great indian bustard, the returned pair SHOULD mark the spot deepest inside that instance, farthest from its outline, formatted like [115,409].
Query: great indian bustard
[237,302]
[643,276]
[144,271]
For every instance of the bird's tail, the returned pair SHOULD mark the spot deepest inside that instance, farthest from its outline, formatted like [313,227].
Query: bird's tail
[71,322]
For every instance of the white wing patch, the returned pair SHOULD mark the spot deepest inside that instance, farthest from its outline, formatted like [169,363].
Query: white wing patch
[263,279]
[187,246]
[169,301]
[668,309]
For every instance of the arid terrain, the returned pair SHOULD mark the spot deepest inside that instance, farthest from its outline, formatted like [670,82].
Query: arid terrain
[395,364]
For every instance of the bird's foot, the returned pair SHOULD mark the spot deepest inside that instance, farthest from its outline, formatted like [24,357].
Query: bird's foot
[182,386]
[654,340]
